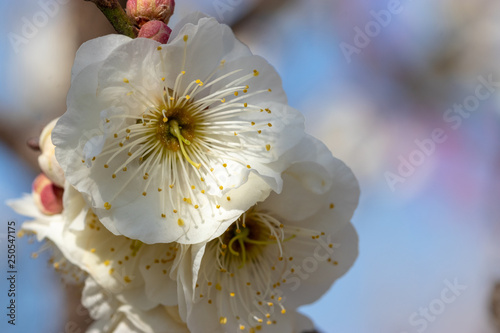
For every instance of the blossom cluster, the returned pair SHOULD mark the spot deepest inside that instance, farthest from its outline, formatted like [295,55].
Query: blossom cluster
[181,189]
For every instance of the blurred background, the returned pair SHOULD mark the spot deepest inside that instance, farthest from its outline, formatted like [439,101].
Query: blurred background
[403,91]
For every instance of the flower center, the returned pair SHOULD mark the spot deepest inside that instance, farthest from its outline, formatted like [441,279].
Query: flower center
[186,138]
[246,243]
[174,128]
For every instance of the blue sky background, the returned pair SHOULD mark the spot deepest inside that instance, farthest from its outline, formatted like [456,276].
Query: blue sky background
[441,224]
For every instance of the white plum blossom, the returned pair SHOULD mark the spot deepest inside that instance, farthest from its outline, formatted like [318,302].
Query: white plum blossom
[173,142]
[280,254]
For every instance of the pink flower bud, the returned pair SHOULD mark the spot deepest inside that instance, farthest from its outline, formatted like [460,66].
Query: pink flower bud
[142,11]
[47,160]
[156,30]
[47,195]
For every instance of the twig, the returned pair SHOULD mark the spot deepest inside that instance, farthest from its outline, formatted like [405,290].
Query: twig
[116,16]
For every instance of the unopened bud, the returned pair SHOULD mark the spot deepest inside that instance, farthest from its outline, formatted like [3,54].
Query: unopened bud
[47,195]
[47,160]
[155,30]
[142,11]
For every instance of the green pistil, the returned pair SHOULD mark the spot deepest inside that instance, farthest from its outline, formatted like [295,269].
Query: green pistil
[136,245]
[175,130]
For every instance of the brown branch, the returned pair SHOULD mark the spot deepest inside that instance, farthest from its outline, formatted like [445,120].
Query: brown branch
[116,16]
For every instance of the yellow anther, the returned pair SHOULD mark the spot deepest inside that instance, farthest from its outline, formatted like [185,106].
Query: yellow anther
[268,147]
[126,80]
[107,205]
[186,37]
[180,222]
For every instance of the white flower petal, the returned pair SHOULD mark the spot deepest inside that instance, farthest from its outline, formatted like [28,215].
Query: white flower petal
[302,323]
[95,50]
[193,18]
[155,266]
[99,303]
